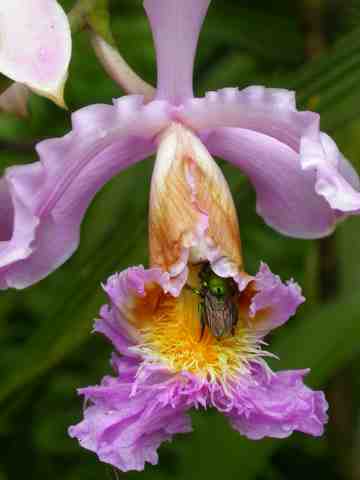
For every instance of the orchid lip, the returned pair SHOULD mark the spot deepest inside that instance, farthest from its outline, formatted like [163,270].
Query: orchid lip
[166,371]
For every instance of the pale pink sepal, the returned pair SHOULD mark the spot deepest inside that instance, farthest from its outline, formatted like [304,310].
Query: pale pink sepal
[35,45]
[117,68]
[14,100]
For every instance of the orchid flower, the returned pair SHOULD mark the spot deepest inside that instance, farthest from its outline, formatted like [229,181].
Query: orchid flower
[35,50]
[166,361]
[303,183]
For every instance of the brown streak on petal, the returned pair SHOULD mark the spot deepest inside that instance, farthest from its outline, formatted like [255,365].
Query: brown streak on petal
[172,216]
[147,305]
[213,196]
[189,198]
[245,299]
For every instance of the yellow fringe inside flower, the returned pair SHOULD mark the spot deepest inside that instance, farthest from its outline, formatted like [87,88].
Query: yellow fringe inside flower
[171,332]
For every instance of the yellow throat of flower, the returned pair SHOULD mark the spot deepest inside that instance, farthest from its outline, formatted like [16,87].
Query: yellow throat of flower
[171,332]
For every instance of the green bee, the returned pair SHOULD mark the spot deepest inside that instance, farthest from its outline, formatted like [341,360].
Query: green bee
[218,308]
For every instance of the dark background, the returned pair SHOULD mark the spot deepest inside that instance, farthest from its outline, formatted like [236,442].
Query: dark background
[46,347]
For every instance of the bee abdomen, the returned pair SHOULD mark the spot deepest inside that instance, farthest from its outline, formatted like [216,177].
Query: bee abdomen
[220,315]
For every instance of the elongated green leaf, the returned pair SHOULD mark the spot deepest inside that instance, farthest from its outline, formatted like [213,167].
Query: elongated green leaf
[253,32]
[329,84]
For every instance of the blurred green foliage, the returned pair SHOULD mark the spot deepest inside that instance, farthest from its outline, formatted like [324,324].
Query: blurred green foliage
[47,350]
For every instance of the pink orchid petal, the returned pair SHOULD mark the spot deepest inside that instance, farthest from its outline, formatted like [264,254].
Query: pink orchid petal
[266,110]
[286,195]
[122,290]
[125,430]
[46,201]
[14,100]
[176,26]
[336,180]
[278,405]
[279,300]
[35,46]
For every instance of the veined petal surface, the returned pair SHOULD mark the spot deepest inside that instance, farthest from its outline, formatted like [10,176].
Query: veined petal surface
[45,201]
[35,45]
[286,195]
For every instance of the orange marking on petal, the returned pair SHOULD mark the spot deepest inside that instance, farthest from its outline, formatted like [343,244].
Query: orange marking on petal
[261,317]
[190,203]
[147,305]
[171,330]
[245,300]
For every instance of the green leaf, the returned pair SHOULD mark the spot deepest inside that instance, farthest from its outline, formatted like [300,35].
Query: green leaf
[329,84]
[253,31]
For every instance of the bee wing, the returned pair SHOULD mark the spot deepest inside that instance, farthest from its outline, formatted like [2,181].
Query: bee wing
[217,315]
[233,314]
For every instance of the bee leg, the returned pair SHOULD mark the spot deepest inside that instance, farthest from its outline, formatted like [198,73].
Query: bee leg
[196,291]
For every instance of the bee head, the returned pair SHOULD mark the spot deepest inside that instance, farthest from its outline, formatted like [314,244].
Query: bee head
[217,286]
